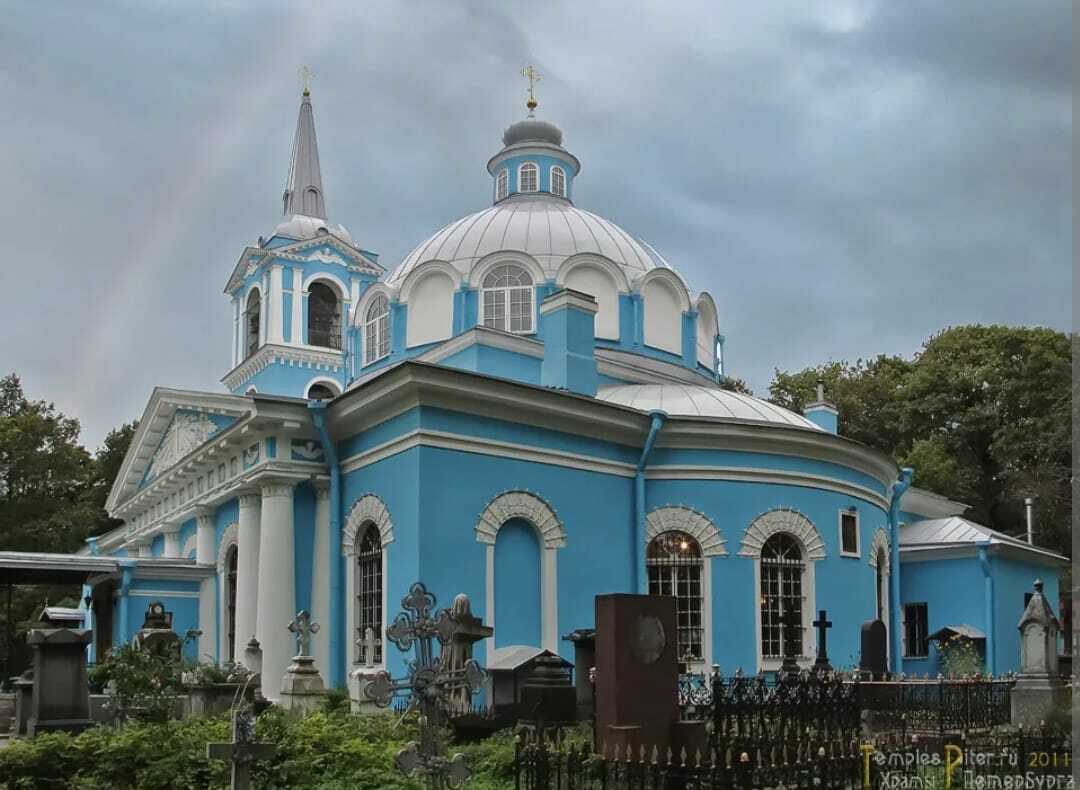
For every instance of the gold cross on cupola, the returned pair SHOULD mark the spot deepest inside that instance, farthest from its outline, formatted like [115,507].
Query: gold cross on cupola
[533,76]
[306,74]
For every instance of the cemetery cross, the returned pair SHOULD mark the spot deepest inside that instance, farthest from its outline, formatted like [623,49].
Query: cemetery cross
[302,626]
[243,751]
[822,624]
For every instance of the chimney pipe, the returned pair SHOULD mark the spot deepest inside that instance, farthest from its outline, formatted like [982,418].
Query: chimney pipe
[1027,506]
[820,390]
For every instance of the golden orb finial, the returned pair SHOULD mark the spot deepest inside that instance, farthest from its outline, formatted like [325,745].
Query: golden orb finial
[533,76]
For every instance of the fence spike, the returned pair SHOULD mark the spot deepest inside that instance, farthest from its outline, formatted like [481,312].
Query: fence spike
[655,754]
[629,752]
[697,758]
[641,753]
[682,757]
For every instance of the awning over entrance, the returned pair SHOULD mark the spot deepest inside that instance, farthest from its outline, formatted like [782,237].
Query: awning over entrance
[22,567]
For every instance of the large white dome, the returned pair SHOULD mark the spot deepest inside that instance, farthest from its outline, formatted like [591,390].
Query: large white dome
[692,400]
[548,229]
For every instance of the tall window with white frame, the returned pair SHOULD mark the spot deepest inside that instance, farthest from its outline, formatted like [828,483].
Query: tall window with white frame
[507,295]
[377,330]
[782,569]
[528,178]
[324,316]
[674,564]
[558,181]
[369,588]
[252,315]
[501,185]
[230,602]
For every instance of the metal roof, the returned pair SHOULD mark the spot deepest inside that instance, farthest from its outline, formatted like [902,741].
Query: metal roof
[966,631]
[304,190]
[692,400]
[956,531]
[547,228]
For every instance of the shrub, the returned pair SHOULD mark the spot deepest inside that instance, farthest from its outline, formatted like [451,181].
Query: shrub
[144,683]
[960,657]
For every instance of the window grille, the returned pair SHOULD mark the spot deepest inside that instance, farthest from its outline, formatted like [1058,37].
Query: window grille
[369,583]
[527,178]
[230,588]
[501,185]
[916,631]
[377,330]
[781,594]
[508,299]
[849,533]
[324,316]
[558,181]
[674,564]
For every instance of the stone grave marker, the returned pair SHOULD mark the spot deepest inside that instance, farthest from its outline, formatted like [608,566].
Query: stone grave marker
[873,656]
[61,696]
[243,751]
[1039,688]
[302,688]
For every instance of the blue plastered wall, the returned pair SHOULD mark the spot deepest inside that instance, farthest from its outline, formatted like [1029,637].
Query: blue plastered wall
[954,593]
[1013,578]
[179,597]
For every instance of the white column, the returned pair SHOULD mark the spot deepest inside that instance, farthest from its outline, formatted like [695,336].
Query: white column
[236,332]
[276,326]
[297,306]
[145,549]
[277,585]
[172,544]
[320,579]
[204,555]
[247,570]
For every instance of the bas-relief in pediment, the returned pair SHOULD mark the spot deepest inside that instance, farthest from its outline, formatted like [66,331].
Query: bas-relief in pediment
[187,431]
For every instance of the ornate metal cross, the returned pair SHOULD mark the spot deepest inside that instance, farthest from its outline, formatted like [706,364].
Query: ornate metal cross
[302,626]
[306,74]
[429,684]
[243,751]
[822,624]
[533,76]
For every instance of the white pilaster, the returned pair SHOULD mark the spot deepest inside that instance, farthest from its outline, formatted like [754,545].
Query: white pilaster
[204,555]
[320,580]
[247,570]
[277,585]
[277,306]
[236,332]
[549,586]
[297,306]
[172,544]
[145,549]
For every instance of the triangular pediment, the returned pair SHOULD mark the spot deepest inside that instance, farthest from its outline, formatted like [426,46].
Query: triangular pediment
[322,249]
[190,428]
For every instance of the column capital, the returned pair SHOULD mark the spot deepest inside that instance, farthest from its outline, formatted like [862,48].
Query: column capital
[249,499]
[277,488]
[322,489]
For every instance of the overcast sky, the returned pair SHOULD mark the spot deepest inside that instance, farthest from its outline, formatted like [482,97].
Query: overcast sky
[845,178]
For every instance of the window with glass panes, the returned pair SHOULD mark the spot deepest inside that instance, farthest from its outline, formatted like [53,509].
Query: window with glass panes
[558,181]
[675,565]
[500,185]
[781,594]
[507,294]
[849,532]
[377,330]
[230,598]
[369,583]
[528,175]
[916,631]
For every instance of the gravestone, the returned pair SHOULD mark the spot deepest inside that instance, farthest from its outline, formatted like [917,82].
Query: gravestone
[584,641]
[24,700]
[156,635]
[302,688]
[873,656]
[637,672]
[61,696]
[548,698]
[470,630]
[1039,689]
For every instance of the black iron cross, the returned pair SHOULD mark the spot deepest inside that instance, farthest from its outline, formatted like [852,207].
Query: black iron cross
[428,684]
[822,624]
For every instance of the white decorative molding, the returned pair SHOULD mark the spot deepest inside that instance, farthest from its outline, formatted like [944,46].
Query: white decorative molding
[186,432]
[269,353]
[524,505]
[368,509]
[188,547]
[782,520]
[323,256]
[880,541]
[684,519]
[230,537]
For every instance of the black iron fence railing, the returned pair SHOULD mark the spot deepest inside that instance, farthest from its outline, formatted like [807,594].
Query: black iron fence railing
[935,706]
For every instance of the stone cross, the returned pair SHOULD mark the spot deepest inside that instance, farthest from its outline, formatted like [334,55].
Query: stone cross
[302,626]
[822,624]
[243,751]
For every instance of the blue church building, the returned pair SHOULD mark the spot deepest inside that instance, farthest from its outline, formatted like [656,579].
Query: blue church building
[526,409]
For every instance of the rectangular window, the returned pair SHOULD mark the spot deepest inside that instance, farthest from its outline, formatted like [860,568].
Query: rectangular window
[916,643]
[849,533]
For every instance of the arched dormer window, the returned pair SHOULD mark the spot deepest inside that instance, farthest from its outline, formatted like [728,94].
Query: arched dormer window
[782,568]
[528,177]
[674,564]
[377,330]
[501,184]
[558,181]
[508,299]
[324,316]
[252,319]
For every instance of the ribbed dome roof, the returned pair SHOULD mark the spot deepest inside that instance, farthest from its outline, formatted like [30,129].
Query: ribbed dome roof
[300,227]
[690,400]
[549,229]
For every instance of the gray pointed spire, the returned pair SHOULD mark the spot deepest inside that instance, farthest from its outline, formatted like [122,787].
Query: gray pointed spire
[304,192]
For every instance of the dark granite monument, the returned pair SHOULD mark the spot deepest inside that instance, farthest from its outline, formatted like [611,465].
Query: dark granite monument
[584,641]
[61,696]
[873,655]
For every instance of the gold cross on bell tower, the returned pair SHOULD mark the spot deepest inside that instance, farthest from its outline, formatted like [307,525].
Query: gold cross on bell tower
[533,76]
[306,74]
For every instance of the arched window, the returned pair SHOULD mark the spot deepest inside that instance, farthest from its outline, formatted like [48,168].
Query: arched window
[879,584]
[674,564]
[252,315]
[558,181]
[508,299]
[320,391]
[781,596]
[500,184]
[528,175]
[230,598]
[377,329]
[369,582]
[324,316]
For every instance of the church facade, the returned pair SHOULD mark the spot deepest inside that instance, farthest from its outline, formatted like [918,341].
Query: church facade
[527,410]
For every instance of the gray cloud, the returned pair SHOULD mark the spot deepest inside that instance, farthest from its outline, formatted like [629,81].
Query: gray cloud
[845,178]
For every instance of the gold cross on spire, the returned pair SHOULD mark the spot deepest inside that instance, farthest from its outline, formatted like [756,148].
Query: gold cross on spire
[306,74]
[533,76]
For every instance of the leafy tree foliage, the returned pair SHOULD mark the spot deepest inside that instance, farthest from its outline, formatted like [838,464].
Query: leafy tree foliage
[981,412]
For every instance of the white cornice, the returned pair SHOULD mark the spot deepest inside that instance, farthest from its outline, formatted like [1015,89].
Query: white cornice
[640,369]
[268,354]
